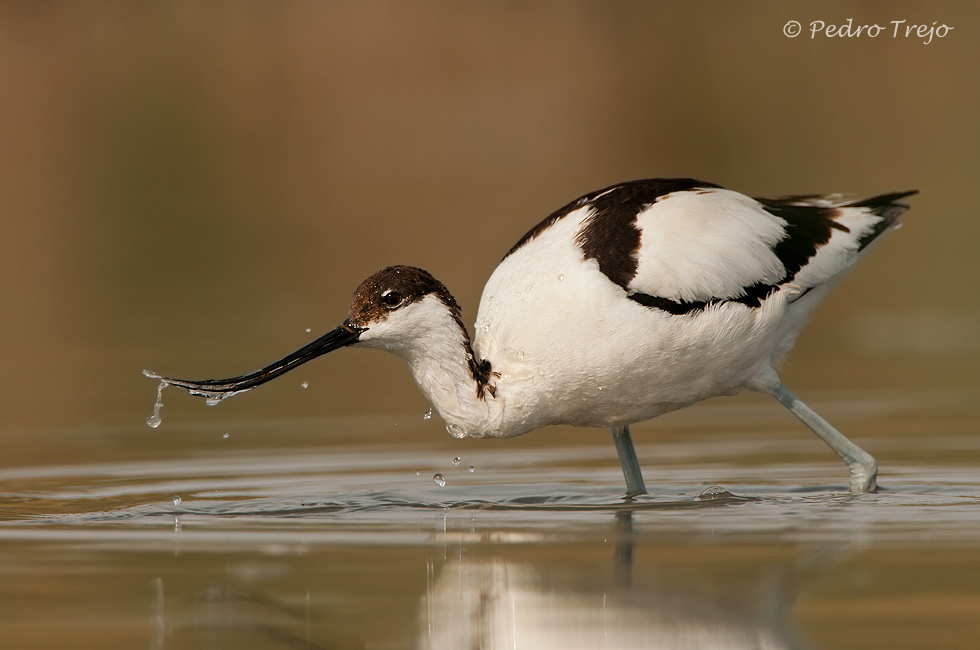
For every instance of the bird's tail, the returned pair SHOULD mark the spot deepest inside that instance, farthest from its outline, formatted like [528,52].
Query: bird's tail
[887,207]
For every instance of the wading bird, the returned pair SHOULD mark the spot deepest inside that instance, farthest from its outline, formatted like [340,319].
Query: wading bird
[629,302]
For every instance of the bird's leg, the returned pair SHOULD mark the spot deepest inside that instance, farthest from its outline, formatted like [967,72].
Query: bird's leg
[863,467]
[627,458]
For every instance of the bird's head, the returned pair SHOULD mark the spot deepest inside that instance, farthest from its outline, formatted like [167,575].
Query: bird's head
[393,310]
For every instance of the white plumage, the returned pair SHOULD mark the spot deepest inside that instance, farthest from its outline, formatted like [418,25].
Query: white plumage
[628,303]
[696,246]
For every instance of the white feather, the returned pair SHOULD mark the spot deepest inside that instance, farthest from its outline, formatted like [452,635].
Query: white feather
[706,244]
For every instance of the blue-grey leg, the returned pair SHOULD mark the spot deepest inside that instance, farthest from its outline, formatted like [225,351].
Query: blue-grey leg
[864,469]
[627,458]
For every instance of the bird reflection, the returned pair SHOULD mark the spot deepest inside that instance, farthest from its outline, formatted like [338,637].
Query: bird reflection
[483,598]
[623,567]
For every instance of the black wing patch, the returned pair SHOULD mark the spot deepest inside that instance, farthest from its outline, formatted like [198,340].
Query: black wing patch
[808,227]
[810,222]
[754,295]
[611,237]
[613,222]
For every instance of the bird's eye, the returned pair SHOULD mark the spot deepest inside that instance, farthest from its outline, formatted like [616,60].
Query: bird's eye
[391,298]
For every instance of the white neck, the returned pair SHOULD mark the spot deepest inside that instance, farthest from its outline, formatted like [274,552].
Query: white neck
[437,349]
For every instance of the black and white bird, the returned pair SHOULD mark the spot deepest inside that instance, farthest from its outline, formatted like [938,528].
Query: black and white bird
[627,303]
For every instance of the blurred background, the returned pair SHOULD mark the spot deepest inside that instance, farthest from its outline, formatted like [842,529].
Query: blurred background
[197,188]
[189,186]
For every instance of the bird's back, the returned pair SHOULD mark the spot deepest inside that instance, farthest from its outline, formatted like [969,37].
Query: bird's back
[651,295]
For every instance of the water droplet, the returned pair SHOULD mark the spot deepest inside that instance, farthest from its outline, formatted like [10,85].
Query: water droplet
[225,436]
[176,500]
[154,420]
[305,384]
[560,277]
[714,492]
[213,400]
[520,354]
[309,329]
[455,431]
[418,472]
[439,480]
[470,469]
[427,415]
[176,524]
[456,461]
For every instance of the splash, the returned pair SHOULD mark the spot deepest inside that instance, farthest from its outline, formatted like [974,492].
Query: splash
[714,492]
[154,419]
[211,397]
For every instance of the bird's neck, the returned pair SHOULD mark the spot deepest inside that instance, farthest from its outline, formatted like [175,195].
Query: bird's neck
[461,387]
[463,400]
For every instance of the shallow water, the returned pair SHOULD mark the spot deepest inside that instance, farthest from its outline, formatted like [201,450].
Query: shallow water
[286,534]
[198,187]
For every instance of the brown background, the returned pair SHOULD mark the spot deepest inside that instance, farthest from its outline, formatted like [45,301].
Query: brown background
[188,186]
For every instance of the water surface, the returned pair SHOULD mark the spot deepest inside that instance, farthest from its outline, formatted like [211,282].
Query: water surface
[285,534]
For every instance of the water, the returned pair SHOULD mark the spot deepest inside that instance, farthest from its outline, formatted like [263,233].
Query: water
[154,419]
[198,224]
[307,529]
[211,397]
[715,492]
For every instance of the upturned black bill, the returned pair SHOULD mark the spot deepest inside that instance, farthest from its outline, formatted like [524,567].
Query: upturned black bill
[218,389]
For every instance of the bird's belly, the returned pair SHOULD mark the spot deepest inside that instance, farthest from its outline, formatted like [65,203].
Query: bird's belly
[615,362]
[604,396]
